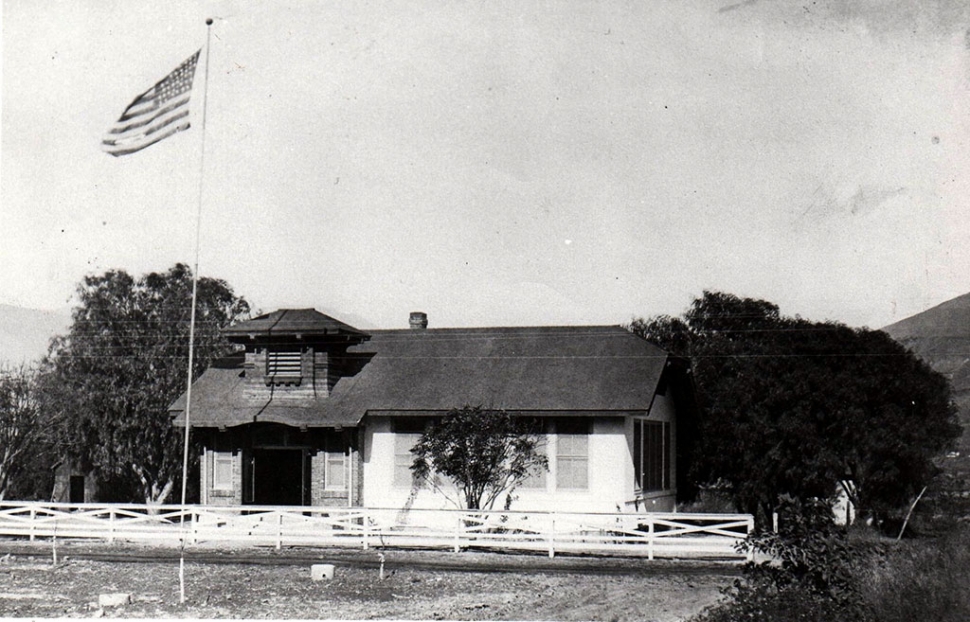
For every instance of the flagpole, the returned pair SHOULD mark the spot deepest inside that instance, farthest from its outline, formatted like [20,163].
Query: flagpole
[195,289]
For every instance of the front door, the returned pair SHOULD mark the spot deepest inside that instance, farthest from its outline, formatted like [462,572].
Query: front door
[278,476]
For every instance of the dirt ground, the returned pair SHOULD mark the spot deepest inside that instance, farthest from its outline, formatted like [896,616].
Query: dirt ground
[484,588]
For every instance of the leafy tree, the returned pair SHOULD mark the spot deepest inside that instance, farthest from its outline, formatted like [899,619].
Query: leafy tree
[110,380]
[486,453]
[20,425]
[790,406]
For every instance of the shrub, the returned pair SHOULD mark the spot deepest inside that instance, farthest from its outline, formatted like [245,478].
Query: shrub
[761,603]
[808,575]
[809,552]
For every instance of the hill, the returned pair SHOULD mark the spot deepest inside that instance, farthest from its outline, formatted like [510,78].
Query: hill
[941,337]
[25,333]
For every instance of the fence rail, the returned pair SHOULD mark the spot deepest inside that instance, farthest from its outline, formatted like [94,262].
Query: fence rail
[649,535]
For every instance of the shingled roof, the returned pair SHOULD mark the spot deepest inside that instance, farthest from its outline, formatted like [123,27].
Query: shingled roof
[304,322]
[538,370]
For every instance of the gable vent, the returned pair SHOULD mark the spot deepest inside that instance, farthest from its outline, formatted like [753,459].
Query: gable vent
[284,365]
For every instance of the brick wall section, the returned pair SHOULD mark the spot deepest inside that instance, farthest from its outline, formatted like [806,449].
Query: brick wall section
[321,368]
[223,497]
[357,460]
[321,373]
[319,495]
[317,481]
[317,377]
[226,441]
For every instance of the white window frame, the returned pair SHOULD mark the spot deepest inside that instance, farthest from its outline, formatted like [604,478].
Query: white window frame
[645,457]
[406,433]
[335,462]
[225,459]
[581,457]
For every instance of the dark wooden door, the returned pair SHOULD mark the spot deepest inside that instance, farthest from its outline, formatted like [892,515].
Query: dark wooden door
[278,476]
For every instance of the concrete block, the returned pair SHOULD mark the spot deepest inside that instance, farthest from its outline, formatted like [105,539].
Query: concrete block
[113,600]
[319,572]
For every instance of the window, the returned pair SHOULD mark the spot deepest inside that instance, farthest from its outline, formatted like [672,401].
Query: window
[407,432]
[651,454]
[336,461]
[336,471]
[222,470]
[284,365]
[572,454]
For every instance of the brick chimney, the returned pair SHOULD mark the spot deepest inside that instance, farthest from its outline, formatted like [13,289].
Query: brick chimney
[418,320]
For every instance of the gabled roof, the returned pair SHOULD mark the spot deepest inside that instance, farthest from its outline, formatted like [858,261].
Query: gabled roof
[292,322]
[572,368]
[538,370]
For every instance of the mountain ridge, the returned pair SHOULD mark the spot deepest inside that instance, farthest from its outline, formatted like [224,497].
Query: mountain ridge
[25,333]
[940,336]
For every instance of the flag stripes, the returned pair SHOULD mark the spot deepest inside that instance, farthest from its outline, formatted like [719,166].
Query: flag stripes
[156,114]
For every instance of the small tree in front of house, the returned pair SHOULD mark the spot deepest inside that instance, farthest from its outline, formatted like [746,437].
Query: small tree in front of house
[486,453]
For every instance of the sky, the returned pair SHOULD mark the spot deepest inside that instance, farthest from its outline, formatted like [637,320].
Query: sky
[499,163]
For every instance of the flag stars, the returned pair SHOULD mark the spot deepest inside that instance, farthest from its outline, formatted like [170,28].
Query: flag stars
[150,118]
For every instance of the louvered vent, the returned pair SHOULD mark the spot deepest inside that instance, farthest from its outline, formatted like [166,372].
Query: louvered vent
[284,366]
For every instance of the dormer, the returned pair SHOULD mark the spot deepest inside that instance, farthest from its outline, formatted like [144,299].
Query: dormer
[294,353]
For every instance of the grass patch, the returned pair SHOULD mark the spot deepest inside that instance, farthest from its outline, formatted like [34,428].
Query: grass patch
[918,579]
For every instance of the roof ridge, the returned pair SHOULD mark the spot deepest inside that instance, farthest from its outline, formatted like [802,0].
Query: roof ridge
[545,327]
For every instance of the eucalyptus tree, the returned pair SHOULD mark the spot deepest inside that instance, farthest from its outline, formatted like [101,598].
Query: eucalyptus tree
[110,379]
[21,428]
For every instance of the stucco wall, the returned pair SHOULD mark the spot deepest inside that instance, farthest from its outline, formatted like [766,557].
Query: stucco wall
[610,474]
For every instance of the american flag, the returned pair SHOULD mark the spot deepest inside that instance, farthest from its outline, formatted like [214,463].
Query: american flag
[156,114]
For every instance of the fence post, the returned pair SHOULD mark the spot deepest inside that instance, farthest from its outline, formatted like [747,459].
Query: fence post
[458,523]
[279,531]
[366,519]
[194,515]
[650,537]
[750,525]
[111,526]
[552,538]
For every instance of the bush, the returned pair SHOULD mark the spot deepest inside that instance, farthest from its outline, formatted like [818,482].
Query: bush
[808,575]
[710,500]
[813,574]
[762,603]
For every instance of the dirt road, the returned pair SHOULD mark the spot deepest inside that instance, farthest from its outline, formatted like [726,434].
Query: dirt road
[417,585]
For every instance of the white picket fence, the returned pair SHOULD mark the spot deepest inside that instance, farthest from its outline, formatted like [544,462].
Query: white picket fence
[679,535]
